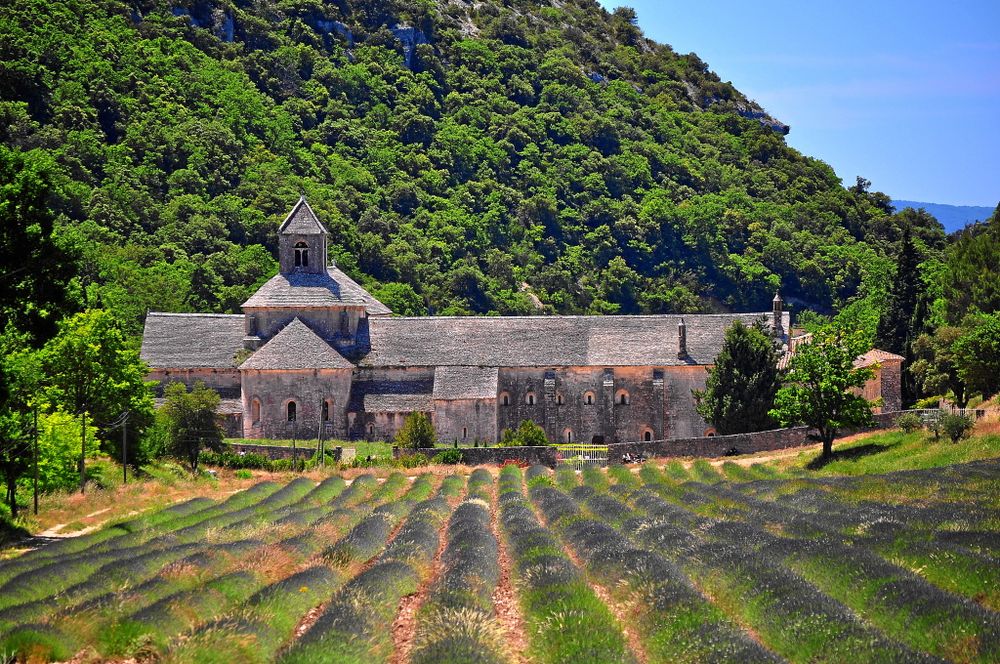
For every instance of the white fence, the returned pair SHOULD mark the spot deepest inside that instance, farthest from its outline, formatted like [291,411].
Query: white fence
[582,456]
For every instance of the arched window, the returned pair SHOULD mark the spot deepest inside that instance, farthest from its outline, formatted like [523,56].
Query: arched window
[647,435]
[710,432]
[559,398]
[290,411]
[326,411]
[371,430]
[504,399]
[588,398]
[568,436]
[255,411]
[301,254]
[529,398]
[465,432]
[621,398]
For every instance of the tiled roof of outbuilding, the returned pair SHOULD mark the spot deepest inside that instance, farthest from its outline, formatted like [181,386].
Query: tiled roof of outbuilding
[296,347]
[191,341]
[300,289]
[302,220]
[875,356]
[465,382]
[513,341]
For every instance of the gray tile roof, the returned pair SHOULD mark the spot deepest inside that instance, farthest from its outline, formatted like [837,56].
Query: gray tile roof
[300,289]
[191,341]
[465,382]
[388,396]
[296,347]
[533,341]
[226,406]
[302,221]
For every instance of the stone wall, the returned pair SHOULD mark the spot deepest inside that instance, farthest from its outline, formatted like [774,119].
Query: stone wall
[740,443]
[281,452]
[478,456]
[465,420]
[274,389]
[584,404]
[224,381]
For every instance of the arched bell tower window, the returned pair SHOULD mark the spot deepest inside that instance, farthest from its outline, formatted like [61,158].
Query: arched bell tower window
[301,254]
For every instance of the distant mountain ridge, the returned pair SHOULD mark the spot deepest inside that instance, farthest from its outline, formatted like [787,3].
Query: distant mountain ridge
[952,217]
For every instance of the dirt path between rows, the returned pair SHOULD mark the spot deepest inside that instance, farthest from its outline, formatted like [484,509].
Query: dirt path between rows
[404,627]
[505,603]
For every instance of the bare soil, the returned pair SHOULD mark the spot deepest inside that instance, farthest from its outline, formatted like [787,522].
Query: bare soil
[505,602]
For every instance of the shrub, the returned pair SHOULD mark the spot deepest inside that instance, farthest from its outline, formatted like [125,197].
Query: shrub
[417,432]
[528,434]
[928,402]
[956,426]
[909,422]
[243,474]
[411,461]
[449,457]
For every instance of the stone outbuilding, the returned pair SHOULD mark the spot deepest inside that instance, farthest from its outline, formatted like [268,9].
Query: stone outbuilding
[314,354]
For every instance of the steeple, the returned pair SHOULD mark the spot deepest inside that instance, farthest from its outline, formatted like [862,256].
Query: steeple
[777,309]
[302,241]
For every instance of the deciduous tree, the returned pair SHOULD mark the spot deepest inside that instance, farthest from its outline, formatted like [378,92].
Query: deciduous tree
[192,423]
[94,373]
[821,387]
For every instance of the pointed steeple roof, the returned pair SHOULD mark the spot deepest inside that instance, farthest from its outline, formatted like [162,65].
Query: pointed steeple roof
[296,346]
[302,221]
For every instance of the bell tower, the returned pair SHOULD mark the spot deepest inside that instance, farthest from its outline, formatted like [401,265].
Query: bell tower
[302,242]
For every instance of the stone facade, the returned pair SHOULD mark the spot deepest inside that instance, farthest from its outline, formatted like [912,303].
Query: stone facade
[315,354]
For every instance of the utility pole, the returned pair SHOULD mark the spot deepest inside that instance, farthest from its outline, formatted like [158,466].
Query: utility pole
[295,431]
[319,436]
[83,451]
[35,414]
[124,450]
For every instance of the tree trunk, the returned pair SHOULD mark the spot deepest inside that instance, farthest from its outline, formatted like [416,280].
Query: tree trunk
[827,436]
[83,450]
[12,494]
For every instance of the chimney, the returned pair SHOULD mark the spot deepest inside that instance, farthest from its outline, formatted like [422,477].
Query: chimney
[776,313]
[682,345]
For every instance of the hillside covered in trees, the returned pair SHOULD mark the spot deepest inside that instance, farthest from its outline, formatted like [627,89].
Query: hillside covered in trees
[468,157]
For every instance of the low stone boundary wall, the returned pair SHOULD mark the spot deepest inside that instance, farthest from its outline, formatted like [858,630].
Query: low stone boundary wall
[275,452]
[739,443]
[477,456]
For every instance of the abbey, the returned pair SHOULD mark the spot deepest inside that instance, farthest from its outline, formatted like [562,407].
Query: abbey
[315,354]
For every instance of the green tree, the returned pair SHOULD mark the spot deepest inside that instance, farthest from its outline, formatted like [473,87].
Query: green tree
[935,368]
[820,387]
[528,434]
[897,328]
[94,373]
[977,354]
[35,268]
[417,432]
[18,366]
[971,279]
[192,422]
[740,389]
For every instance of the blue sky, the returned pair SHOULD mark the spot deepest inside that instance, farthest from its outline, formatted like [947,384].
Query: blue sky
[906,94]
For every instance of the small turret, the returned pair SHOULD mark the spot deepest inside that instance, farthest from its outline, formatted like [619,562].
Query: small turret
[302,241]
[777,311]
[682,349]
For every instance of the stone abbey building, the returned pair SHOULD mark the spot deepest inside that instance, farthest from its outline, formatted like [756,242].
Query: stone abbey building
[315,354]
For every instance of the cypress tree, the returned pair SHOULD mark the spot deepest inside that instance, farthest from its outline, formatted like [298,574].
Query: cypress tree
[741,386]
